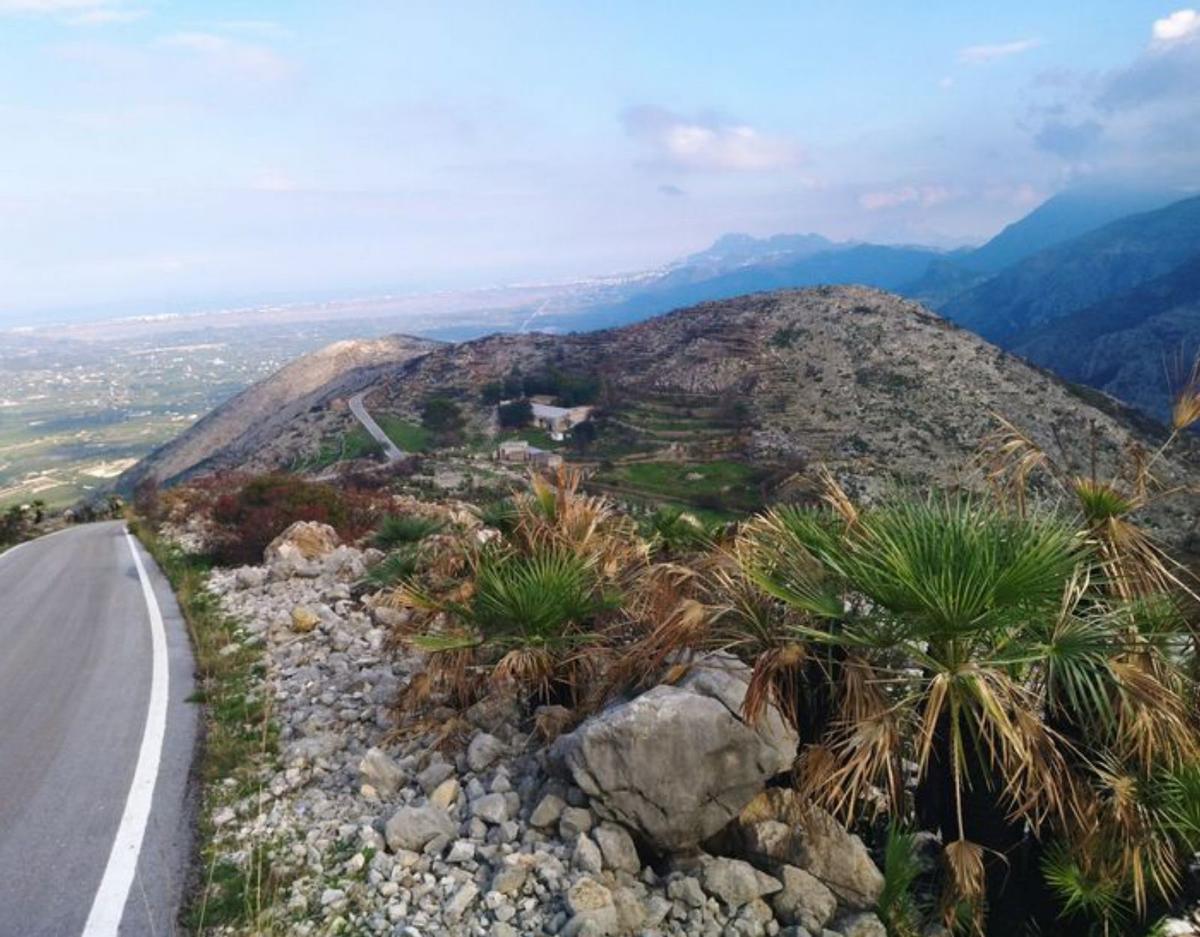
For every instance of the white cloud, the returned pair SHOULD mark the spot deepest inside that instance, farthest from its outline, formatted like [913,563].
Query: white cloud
[104,17]
[74,12]
[50,6]
[983,54]
[1181,24]
[709,143]
[242,59]
[925,196]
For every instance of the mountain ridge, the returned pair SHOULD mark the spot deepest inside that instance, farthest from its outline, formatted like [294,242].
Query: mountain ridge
[870,384]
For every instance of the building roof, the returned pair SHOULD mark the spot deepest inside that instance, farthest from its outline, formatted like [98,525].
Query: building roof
[546,412]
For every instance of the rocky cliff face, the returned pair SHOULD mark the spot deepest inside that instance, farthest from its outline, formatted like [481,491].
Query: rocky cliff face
[238,428]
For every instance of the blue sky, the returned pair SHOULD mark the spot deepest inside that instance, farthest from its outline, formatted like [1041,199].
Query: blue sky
[160,155]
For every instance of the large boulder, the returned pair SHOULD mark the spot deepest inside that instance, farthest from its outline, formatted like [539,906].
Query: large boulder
[677,763]
[301,543]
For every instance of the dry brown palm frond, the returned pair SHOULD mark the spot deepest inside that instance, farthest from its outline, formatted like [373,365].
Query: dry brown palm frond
[1154,724]
[966,881]
[868,757]
[660,589]
[1124,830]
[531,669]
[868,739]
[1009,458]
[454,674]
[1003,720]
[1138,471]
[587,674]
[811,772]
[1042,787]
[553,513]
[834,495]
[684,629]
[1185,409]
[1134,565]
[776,679]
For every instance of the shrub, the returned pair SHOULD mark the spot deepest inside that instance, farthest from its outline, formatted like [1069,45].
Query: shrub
[674,532]
[522,609]
[262,507]
[501,515]
[408,528]
[146,500]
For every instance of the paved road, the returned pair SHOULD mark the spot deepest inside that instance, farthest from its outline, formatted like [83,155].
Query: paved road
[96,739]
[390,449]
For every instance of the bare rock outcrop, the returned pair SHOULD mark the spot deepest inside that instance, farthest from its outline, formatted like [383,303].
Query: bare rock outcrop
[677,763]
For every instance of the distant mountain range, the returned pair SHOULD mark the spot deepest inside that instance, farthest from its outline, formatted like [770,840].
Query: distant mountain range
[1061,218]
[1099,284]
[1077,273]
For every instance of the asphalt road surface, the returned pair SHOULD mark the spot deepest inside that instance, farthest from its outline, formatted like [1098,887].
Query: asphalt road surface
[390,449]
[96,739]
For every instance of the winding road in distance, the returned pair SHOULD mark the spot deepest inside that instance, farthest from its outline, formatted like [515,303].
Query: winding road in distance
[96,739]
[390,449]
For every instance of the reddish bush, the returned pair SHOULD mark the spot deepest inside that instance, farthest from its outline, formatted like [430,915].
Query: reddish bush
[253,514]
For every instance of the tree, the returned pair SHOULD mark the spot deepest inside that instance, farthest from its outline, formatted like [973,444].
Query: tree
[515,414]
[443,417]
[492,393]
[583,435]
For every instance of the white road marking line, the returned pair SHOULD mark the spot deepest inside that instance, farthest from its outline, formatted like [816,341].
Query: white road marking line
[109,903]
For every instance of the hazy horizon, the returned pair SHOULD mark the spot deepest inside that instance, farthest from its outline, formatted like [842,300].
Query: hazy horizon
[176,157]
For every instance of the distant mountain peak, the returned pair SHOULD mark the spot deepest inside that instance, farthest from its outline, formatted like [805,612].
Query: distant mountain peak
[1064,216]
[738,247]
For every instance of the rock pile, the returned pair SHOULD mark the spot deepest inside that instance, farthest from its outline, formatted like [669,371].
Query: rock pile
[496,837]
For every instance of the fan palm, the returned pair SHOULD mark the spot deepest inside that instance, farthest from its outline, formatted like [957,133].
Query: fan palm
[982,644]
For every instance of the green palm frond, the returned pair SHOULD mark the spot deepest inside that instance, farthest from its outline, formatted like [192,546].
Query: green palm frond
[535,598]
[896,905]
[955,565]
[792,554]
[397,529]
[1093,892]
[501,514]
[397,566]
[674,530]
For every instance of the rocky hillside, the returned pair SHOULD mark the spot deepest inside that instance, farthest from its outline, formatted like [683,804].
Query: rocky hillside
[875,386]
[253,418]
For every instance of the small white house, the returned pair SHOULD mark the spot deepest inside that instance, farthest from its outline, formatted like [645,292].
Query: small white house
[513,450]
[519,451]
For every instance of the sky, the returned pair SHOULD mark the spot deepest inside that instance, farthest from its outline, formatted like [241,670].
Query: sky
[158,155]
